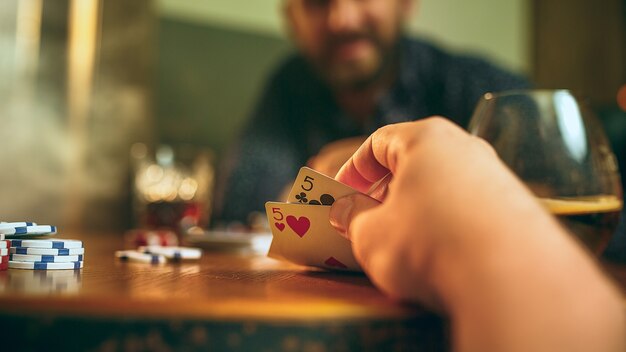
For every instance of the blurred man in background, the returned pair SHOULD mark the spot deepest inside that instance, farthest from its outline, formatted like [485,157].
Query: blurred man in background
[355,70]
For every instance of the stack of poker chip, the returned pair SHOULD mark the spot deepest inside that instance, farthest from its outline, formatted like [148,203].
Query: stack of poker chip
[27,249]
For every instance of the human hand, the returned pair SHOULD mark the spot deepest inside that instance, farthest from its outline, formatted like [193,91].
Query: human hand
[457,231]
[333,155]
[449,191]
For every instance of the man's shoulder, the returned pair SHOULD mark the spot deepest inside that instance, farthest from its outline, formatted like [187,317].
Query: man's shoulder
[431,61]
[422,46]
[429,55]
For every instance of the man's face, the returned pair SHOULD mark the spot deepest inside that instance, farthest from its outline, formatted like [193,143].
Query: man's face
[350,42]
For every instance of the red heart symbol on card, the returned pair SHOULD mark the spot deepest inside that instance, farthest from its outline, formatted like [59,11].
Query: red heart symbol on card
[280,226]
[335,263]
[300,225]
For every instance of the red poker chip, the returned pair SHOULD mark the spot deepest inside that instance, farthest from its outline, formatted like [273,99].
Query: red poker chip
[4,259]
[4,266]
[160,237]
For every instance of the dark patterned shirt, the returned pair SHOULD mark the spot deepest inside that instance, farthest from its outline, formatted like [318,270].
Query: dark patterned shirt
[297,115]
[616,251]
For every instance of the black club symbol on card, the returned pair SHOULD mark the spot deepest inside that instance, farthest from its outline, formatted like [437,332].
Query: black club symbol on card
[302,198]
[325,199]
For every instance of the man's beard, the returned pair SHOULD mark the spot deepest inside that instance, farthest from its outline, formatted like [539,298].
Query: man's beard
[356,74]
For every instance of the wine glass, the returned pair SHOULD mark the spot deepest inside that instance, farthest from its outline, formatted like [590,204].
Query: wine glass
[558,148]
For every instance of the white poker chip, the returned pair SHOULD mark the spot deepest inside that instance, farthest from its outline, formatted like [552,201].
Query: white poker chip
[1,237]
[5,243]
[176,253]
[45,258]
[4,251]
[47,251]
[47,243]
[29,230]
[7,225]
[135,256]
[44,266]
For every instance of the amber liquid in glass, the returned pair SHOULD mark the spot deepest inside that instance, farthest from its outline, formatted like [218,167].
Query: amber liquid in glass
[592,219]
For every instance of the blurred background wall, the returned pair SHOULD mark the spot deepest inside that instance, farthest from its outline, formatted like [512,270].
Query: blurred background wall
[82,80]
[75,93]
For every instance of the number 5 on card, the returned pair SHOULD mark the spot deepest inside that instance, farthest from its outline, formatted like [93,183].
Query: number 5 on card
[303,235]
[314,188]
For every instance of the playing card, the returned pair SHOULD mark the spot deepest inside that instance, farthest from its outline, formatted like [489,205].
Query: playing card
[314,188]
[303,235]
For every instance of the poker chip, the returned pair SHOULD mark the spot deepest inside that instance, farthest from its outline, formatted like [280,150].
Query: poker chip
[141,237]
[45,258]
[4,258]
[136,256]
[29,230]
[7,225]
[1,237]
[47,251]
[44,266]
[176,253]
[57,243]
[38,254]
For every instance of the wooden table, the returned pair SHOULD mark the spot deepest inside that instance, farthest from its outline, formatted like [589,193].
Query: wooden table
[233,301]
[225,301]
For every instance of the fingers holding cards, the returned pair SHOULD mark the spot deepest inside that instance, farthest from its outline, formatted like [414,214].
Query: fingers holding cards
[301,227]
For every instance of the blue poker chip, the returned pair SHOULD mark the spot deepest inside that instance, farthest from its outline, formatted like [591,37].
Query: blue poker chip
[47,243]
[47,251]
[29,230]
[6,225]
[46,258]
[174,253]
[44,266]
[136,256]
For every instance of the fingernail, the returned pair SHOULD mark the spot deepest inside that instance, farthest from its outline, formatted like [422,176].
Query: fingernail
[340,214]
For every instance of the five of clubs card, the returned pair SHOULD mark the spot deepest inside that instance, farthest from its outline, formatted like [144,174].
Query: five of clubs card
[302,233]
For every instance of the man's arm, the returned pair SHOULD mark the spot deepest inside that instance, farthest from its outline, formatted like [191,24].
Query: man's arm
[457,231]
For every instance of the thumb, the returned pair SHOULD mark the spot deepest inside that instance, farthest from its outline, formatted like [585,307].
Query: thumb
[345,209]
